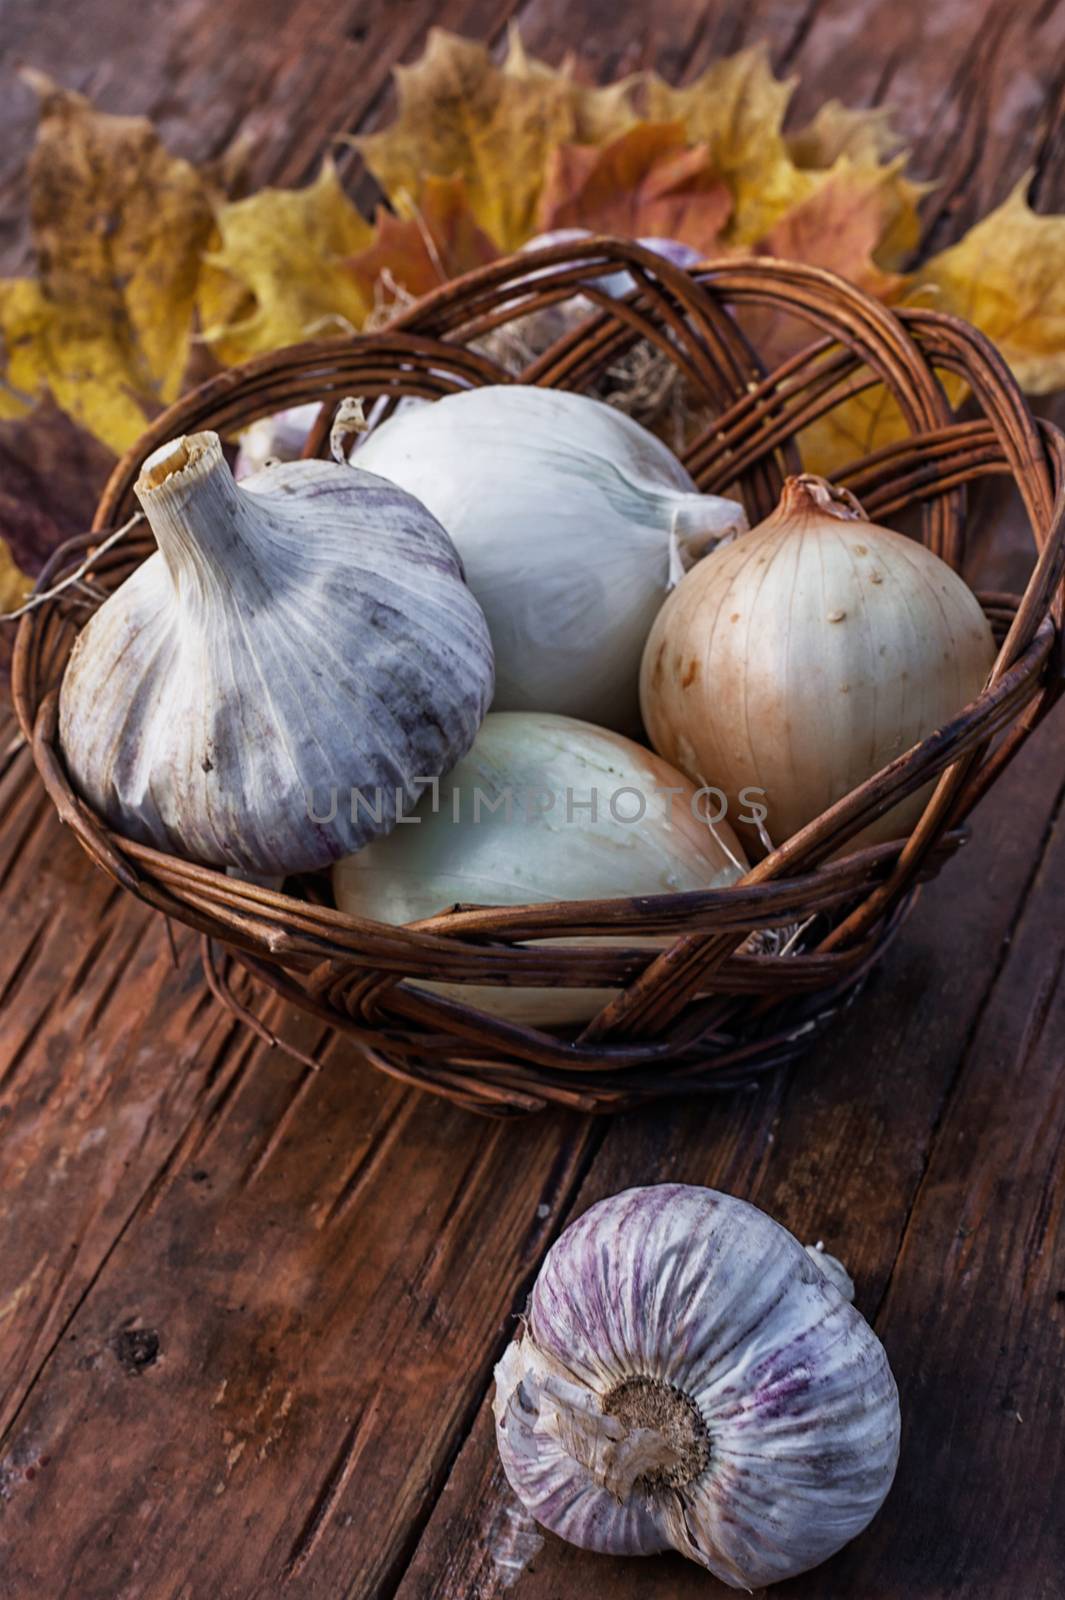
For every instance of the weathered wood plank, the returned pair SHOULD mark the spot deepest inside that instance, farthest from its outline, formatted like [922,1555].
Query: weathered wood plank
[105,1051]
[279,1356]
[839,1151]
[275,1409]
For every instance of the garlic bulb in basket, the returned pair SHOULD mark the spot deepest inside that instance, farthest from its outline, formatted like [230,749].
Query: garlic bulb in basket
[689,1377]
[297,636]
[540,810]
[572,522]
[808,655]
[514,344]
[278,437]
[620,281]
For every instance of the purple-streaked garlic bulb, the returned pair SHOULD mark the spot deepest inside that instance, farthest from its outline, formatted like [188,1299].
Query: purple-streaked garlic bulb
[690,1377]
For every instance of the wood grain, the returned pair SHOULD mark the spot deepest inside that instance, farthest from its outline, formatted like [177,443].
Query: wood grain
[841,1151]
[248,1312]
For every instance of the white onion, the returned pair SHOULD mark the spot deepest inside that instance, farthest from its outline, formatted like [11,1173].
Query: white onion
[572,522]
[542,854]
[809,654]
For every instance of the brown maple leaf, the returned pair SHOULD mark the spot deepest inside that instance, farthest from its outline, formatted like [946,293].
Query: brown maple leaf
[438,239]
[649,182]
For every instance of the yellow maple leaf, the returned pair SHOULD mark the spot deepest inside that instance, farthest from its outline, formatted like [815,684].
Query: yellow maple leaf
[432,241]
[649,182]
[283,253]
[462,116]
[864,134]
[14,583]
[598,115]
[1007,277]
[736,108]
[118,226]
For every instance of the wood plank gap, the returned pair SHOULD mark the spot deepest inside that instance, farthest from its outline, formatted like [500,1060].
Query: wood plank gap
[368,1161]
[30,951]
[596,1137]
[964,1055]
[325,1503]
[277,1132]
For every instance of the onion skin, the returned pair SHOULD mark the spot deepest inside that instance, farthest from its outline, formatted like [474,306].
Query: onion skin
[808,654]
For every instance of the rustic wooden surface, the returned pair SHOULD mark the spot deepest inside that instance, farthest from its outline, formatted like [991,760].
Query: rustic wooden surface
[248,1314]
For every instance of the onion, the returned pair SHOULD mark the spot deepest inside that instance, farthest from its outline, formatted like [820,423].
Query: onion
[571,520]
[550,848]
[807,655]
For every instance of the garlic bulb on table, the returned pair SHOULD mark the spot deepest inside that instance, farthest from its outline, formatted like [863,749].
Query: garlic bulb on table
[540,810]
[689,1377]
[809,654]
[299,657]
[572,522]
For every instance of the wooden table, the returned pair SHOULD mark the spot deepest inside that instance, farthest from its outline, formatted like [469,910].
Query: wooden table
[248,1314]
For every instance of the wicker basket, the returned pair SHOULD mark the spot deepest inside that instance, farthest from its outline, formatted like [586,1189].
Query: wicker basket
[705,1013]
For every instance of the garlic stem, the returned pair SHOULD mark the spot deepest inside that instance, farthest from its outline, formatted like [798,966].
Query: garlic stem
[194,507]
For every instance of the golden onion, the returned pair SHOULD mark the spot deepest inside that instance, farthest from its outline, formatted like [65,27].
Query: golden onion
[803,657]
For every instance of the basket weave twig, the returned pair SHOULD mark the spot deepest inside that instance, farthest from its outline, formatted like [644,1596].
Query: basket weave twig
[714,1006]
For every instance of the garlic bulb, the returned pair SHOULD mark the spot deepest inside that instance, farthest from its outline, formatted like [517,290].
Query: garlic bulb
[295,662]
[572,522]
[808,655]
[279,437]
[689,1377]
[525,338]
[537,811]
[618,283]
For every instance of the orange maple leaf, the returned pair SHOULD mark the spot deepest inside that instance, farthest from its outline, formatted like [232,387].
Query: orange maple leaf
[437,239]
[649,183]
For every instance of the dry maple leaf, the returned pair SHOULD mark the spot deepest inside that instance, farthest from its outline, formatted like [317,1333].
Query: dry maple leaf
[286,249]
[438,239]
[598,115]
[1007,276]
[736,109]
[462,116]
[118,227]
[648,182]
[840,227]
[863,134]
[837,228]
